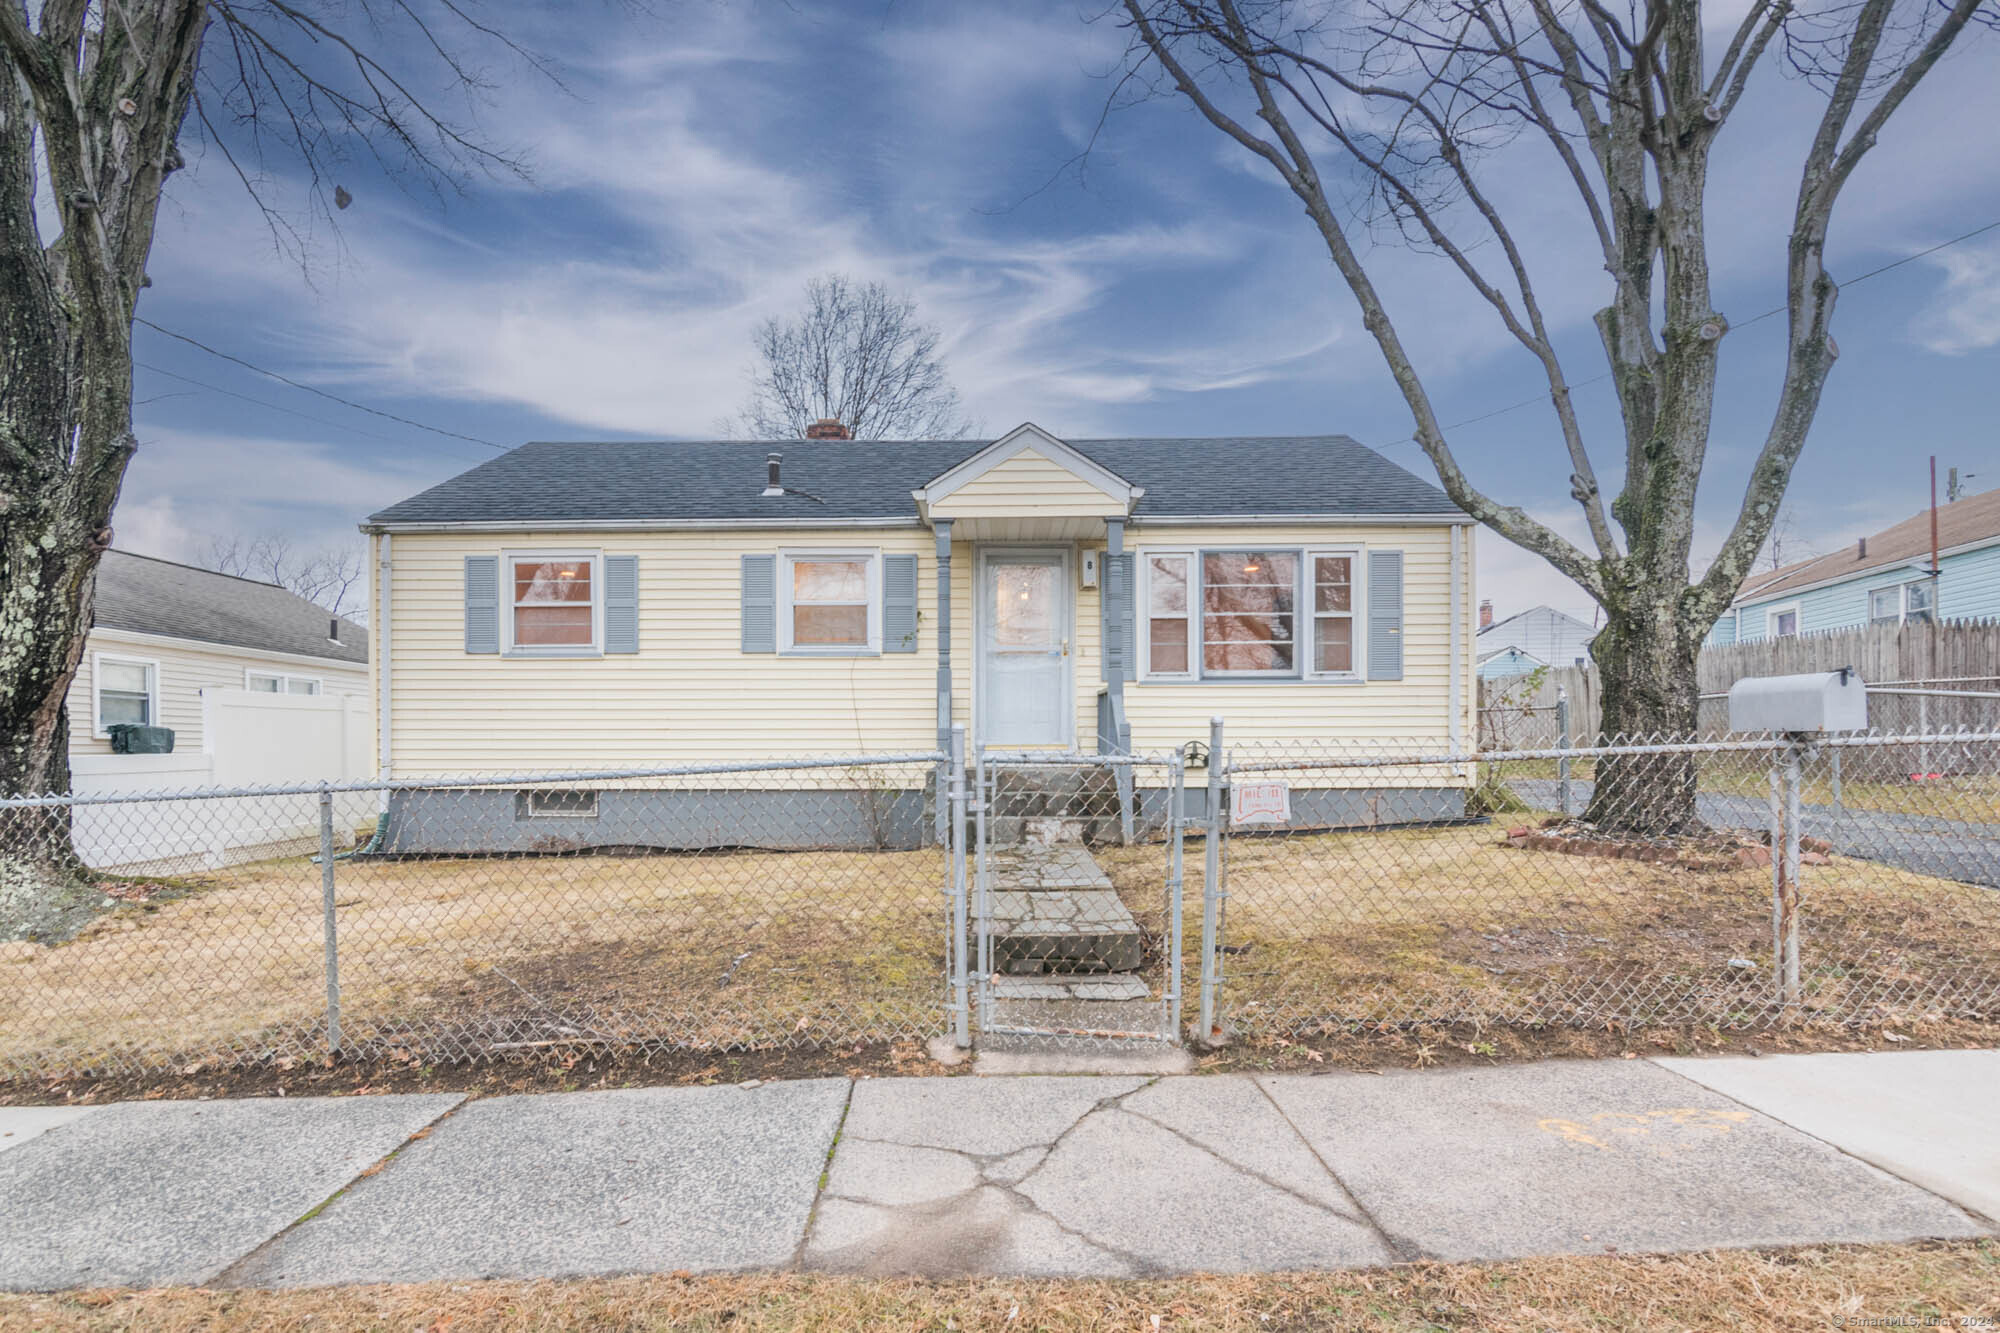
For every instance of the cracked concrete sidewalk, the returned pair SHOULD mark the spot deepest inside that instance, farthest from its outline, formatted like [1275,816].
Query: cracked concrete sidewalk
[1089,1175]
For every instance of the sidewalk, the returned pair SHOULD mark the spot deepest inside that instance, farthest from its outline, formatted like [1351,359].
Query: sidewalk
[1112,1176]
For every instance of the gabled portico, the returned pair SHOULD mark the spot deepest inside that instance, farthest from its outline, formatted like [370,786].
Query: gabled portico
[1019,509]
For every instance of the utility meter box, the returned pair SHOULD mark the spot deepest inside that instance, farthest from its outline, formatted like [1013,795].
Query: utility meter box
[1815,701]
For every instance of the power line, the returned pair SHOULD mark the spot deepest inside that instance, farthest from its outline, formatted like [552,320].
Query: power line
[331,397]
[1754,319]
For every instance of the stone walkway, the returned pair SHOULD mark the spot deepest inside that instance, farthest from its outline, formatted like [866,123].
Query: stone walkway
[1111,1176]
[1066,949]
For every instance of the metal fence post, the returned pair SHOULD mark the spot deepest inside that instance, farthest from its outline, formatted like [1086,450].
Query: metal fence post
[1176,822]
[327,915]
[1211,886]
[981,800]
[961,1003]
[1833,766]
[1785,872]
[1562,743]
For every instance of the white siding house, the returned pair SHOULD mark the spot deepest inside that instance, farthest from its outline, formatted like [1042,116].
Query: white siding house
[163,633]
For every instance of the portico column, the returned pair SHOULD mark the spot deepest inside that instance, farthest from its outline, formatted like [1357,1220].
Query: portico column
[943,529]
[1118,591]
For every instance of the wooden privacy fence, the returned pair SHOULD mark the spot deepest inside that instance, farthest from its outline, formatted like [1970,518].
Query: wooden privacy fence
[1954,656]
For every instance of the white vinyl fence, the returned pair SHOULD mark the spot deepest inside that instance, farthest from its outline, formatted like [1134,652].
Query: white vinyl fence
[250,740]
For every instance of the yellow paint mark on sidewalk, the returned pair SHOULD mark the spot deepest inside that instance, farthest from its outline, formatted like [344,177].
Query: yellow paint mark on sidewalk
[1606,1130]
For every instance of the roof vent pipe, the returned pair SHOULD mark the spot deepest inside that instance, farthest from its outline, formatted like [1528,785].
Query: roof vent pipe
[1862,552]
[771,483]
[333,629]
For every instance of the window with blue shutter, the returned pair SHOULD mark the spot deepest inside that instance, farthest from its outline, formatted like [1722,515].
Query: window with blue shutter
[1385,615]
[899,604]
[621,603]
[482,604]
[760,603]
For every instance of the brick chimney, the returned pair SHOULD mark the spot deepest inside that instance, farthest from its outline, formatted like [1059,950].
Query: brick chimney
[828,428]
[1486,615]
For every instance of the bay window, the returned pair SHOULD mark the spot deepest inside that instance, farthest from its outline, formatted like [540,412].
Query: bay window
[1279,614]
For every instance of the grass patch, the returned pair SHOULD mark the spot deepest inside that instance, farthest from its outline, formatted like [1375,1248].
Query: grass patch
[1446,925]
[1785,1290]
[439,957]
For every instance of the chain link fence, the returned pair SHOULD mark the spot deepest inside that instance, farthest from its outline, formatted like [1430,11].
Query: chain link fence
[697,907]
[1727,883]
[837,900]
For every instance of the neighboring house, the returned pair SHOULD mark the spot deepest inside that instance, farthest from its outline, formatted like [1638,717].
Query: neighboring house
[1539,637]
[594,605]
[1884,577]
[161,633]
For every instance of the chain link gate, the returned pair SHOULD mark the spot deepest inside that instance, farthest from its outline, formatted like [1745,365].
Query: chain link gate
[1076,897]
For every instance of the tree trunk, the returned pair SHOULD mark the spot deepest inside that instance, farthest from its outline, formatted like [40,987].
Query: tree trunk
[1650,695]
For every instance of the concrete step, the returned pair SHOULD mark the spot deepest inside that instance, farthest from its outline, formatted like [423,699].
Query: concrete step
[1064,930]
[1063,987]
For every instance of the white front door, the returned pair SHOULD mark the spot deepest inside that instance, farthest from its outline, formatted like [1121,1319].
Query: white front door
[1024,627]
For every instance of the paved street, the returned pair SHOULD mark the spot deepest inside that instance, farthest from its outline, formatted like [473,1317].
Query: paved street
[1113,1176]
[1924,844]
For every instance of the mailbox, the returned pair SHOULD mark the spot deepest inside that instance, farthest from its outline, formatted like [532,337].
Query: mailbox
[1815,701]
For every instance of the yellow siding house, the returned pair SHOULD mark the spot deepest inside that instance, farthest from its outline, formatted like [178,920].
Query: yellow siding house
[577,606]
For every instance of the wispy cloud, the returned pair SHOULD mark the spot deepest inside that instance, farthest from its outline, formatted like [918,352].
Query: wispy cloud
[1964,315]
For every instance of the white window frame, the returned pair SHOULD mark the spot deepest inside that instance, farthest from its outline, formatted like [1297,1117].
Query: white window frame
[1357,610]
[1304,635]
[1896,589]
[789,557]
[1299,642]
[595,648]
[98,728]
[1771,614]
[1142,610]
[285,679]
[1920,583]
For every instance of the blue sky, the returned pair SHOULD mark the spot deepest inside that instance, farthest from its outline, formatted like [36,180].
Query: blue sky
[709,158]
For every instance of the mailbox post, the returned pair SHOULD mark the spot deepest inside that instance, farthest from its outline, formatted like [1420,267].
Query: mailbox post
[1802,709]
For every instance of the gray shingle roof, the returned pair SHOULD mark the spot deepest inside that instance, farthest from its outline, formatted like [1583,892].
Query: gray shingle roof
[720,480]
[149,596]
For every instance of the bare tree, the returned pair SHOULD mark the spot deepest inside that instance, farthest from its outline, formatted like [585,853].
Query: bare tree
[1395,109]
[856,355]
[329,577]
[96,97]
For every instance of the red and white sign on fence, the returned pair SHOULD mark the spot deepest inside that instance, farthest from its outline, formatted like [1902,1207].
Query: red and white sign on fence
[1260,803]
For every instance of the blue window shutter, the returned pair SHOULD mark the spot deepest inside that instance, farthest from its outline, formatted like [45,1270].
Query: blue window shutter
[899,604]
[760,603]
[482,604]
[1117,620]
[621,603]
[1385,615]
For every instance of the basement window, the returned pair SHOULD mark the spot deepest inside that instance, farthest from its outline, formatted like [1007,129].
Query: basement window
[555,804]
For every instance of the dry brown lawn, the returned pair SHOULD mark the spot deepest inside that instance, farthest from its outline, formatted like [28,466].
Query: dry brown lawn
[1446,924]
[1742,1291]
[441,955]
[446,958]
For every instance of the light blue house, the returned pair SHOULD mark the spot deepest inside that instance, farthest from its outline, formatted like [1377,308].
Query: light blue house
[1538,637]
[1883,578]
